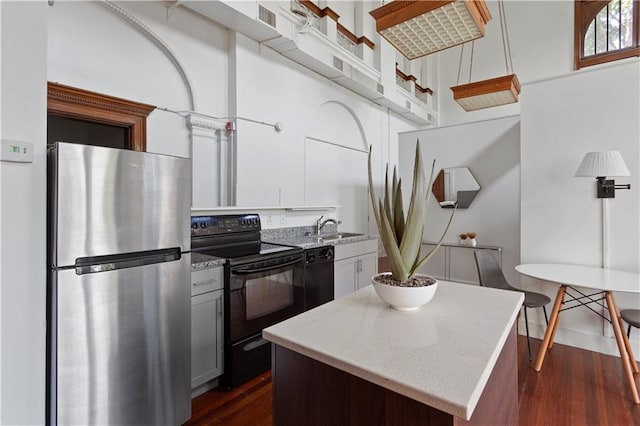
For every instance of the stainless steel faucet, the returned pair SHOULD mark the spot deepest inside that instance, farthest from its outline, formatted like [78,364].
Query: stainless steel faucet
[320,223]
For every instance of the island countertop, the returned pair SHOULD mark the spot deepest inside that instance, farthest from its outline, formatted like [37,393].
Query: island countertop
[441,355]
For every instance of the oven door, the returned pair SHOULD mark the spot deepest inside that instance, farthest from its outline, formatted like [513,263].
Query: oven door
[263,293]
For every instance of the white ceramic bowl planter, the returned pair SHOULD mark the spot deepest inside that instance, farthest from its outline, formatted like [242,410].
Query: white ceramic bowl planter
[405,298]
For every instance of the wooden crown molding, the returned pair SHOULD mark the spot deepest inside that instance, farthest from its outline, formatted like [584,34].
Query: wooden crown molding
[405,77]
[423,89]
[80,104]
[413,78]
[367,42]
[72,95]
[321,13]
[327,11]
[355,39]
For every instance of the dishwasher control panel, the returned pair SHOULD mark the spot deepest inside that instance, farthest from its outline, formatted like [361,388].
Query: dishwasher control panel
[319,254]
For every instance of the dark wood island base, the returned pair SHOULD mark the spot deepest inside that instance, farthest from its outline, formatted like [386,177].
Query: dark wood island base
[308,392]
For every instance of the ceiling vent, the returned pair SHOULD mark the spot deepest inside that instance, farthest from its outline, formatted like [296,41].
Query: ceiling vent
[337,63]
[266,16]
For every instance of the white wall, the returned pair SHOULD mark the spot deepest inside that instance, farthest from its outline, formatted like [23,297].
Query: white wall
[537,52]
[272,88]
[561,216]
[86,45]
[491,151]
[564,114]
[93,48]
[23,214]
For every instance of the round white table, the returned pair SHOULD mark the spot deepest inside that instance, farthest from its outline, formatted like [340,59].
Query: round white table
[605,282]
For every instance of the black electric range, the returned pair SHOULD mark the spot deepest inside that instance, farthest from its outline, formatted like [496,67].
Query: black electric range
[264,284]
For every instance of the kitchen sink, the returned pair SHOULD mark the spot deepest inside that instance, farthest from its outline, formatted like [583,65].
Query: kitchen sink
[338,236]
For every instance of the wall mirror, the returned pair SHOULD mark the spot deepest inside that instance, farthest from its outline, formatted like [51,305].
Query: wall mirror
[455,185]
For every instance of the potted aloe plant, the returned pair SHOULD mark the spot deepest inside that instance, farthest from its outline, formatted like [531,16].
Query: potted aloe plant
[403,288]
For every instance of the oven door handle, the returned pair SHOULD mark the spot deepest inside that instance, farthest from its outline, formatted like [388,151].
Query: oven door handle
[247,271]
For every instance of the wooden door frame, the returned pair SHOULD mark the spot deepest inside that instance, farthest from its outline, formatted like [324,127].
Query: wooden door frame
[71,102]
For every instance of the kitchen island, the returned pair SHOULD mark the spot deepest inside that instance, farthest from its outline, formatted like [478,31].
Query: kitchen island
[357,361]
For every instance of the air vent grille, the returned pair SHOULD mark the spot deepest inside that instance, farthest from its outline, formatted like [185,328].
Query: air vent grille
[337,63]
[266,16]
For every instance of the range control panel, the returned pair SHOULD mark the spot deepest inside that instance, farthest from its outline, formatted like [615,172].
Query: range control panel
[227,224]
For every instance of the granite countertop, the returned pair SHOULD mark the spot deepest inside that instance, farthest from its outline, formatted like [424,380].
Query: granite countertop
[204,261]
[312,241]
[305,237]
[441,355]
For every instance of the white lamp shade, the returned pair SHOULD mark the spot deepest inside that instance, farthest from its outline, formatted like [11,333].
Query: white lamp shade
[606,163]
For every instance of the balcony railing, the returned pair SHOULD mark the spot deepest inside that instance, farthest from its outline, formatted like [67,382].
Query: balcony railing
[409,82]
[344,37]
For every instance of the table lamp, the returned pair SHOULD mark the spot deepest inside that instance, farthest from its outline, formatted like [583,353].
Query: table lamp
[603,164]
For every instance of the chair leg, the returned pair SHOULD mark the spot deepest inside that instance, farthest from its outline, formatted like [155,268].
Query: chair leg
[544,309]
[526,324]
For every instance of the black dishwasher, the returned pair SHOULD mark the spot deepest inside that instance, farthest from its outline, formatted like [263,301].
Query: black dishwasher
[318,276]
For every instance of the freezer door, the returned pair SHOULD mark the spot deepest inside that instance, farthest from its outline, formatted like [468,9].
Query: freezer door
[122,346]
[108,201]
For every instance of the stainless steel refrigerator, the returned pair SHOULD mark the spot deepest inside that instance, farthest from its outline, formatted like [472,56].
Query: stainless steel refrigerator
[118,304]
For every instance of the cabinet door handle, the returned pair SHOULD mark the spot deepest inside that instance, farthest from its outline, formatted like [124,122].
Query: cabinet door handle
[213,281]
[218,310]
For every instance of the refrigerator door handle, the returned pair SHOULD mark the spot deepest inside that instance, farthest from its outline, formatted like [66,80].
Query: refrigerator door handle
[93,264]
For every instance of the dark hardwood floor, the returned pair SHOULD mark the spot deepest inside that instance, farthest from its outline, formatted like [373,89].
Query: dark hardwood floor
[575,387]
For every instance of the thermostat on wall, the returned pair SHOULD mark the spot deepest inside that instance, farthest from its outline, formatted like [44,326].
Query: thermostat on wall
[16,151]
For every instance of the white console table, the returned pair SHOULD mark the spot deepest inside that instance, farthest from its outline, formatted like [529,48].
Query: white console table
[455,262]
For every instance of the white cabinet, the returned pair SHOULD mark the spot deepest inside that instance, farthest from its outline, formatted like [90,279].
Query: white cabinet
[207,313]
[355,264]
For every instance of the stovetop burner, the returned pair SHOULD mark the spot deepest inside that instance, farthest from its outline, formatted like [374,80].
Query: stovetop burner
[234,237]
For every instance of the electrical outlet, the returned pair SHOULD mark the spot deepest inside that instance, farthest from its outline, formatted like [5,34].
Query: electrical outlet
[283,219]
[269,219]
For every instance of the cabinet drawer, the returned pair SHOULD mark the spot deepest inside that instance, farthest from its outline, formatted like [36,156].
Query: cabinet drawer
[206,280]
[358,248]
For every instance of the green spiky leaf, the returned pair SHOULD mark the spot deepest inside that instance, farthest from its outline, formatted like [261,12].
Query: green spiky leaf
[398,216]
[400,236]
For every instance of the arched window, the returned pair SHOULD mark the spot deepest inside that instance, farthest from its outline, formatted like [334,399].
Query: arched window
[606,31]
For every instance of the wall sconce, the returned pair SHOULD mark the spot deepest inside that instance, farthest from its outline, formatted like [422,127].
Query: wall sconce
[603,164]
[418,28]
